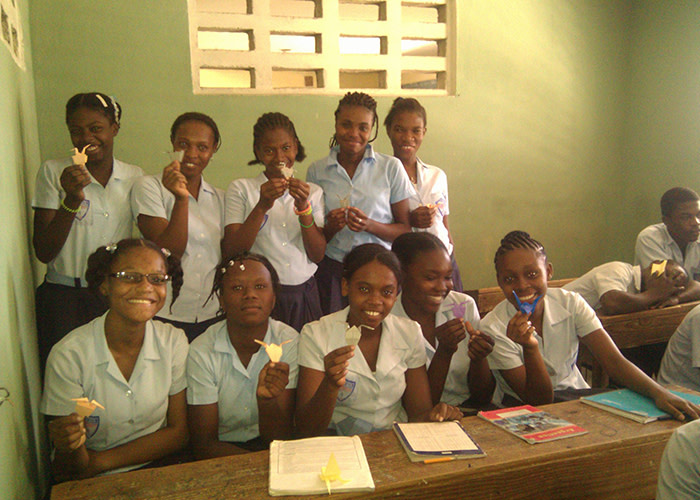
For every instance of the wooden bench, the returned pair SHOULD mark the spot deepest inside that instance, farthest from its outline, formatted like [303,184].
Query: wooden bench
[636,329]
[488,298]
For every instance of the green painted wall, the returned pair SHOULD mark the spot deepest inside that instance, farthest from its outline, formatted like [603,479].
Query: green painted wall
[19,146]
[662,132]
[530,141]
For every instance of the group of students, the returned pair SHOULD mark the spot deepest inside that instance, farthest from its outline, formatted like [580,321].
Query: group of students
[272,256]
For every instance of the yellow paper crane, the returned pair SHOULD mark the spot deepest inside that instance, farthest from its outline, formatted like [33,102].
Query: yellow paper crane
[331,473]
[84,407]
[274,351]
[79,157]
[658,269]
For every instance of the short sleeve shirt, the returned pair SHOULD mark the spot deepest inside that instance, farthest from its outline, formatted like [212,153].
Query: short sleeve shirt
[215,374]
[205,226]
[600,280]
[655,243]
[81,365]
[103,217]
[567,318]
[679,471]
[681,362]
[431,189]
[279,237]
[369,400]
[379,182]
[456,389]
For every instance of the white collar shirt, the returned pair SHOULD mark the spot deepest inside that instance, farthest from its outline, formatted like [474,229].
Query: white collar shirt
[567,318]
[81,365]
[205,225]
[103,217]
[215,374]
[681,362]
[369,400]
[431,189]
[379,182]
[679,474]
[656,243]
[279,237]
[456,389]
[618,276]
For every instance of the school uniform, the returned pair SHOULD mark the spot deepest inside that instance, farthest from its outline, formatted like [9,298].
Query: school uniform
[81,365]
[456,389]
[63,301]
[681,362]
[280,240]
[567,318]
[431,188]
[369,401]
[379,181]
[655,243]
[607,277]
[205,224]
[679,473]
[215,374]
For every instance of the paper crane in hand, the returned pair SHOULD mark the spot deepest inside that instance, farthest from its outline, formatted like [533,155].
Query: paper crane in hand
[459,309]
[79,157]
[331,473]
[273,351]
[353,334]
[526,307]
[84,407]
[287,172]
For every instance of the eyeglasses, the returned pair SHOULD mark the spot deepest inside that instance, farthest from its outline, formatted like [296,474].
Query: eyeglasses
[134,277]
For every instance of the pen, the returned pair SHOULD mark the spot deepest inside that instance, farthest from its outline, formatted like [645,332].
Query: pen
[437,460]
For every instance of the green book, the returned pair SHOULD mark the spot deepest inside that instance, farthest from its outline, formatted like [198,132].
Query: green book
[632,405]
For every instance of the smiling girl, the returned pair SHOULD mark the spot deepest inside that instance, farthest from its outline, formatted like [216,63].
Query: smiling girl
[76,209]
[535,352]
[356,389]
[181,211]
[281,218]
[239,400]
[365,193]
[133,366]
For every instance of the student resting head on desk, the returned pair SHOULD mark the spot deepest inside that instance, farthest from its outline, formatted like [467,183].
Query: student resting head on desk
[445,317]
[620,288]
[535,353]
[238,399]
[356,389]
[131,365]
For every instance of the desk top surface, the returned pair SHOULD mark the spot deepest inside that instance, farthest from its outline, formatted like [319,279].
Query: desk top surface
[616,451]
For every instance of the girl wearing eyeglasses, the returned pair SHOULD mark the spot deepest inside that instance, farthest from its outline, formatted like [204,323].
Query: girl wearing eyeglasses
[133,366]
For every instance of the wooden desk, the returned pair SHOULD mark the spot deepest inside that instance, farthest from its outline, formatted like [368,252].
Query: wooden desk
[617,459]
[636,329]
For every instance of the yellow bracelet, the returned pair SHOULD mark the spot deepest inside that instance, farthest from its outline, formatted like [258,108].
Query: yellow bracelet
[306,211]
[69,210]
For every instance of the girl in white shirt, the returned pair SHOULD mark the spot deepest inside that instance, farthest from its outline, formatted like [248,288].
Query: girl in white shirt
[355,389]
[406,125]
[280,216]
[535,352]
[133,366]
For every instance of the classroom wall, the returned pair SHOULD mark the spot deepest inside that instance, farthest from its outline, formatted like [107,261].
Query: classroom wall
[20,476]
[661,146]
[531,141]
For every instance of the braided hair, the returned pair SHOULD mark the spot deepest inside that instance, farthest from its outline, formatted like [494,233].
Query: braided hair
[273,121]
[518,239]
[194,116]
[100,264]
[405,105]
[358,99]
[97,101]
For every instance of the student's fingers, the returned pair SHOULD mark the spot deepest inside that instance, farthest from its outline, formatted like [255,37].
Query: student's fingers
[67,433]
[443,411]
[480,346]
[298,188]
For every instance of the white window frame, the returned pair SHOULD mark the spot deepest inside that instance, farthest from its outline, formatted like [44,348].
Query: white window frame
[327,62]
